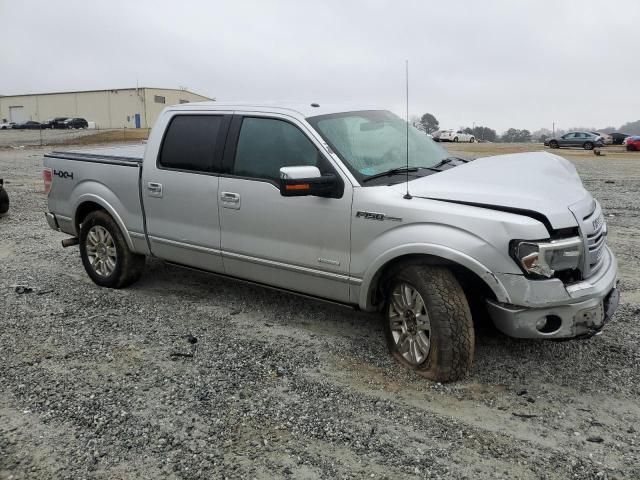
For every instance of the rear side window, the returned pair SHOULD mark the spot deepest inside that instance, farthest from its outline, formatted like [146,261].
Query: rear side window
[190,143]
[266,144]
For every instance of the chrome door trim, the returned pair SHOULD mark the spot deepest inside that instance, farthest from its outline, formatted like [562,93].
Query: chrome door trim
[188,246]
[294,268]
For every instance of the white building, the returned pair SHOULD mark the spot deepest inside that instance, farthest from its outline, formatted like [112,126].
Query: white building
[126,107]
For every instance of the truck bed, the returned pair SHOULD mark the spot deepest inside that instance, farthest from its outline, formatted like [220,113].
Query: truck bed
[108,176]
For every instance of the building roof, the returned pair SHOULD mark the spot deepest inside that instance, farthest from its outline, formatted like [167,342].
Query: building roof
[104,90]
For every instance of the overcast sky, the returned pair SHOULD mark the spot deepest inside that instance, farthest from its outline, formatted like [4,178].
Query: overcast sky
[502,64]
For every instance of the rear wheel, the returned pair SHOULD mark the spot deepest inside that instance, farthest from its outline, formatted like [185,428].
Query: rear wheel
[455,139]
[587,146]
[428,323]
[105,254]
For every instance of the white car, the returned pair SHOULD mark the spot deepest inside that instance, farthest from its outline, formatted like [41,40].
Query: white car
[606,138]
[6,125]
[456,136]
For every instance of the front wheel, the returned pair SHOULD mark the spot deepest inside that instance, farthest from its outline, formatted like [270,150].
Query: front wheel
[553,144]
[471,140]
[588,146]
[455,139]
[428,323]
[105,254]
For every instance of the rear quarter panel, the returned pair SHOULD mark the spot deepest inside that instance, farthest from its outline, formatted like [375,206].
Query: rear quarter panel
[114,187]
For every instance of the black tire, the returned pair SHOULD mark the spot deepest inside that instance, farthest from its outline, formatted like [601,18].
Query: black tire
[455,139]
[587,146]
[472,140]
[4,201]
[553,144]
[128,265]
[451,336]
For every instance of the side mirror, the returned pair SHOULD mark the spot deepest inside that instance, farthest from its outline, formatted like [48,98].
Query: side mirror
[303,181]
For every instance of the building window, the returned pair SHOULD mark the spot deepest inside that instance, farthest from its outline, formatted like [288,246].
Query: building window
[184,101]
[159,99]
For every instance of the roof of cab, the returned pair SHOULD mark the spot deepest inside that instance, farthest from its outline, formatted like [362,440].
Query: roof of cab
[303,110]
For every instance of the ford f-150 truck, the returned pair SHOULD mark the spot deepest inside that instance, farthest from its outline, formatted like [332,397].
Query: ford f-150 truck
[352,206]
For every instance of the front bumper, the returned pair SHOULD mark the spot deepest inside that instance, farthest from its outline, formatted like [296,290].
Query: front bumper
[590,304]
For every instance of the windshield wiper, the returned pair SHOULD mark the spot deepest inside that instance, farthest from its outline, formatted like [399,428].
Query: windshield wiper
[397,171]
[447,160]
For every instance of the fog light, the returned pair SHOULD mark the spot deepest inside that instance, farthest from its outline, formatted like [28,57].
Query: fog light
[540,324]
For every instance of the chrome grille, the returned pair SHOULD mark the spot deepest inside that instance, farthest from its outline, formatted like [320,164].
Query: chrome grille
[593,230]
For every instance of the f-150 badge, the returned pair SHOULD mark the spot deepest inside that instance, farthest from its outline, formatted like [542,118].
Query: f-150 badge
[376,216]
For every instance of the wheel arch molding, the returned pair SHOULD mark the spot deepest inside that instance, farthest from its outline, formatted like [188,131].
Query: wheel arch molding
[88,203]
[395,259]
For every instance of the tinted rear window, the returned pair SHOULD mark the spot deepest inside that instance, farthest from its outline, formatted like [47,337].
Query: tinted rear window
[190,143]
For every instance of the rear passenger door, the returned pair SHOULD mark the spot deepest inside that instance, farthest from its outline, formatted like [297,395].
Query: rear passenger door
[180,188]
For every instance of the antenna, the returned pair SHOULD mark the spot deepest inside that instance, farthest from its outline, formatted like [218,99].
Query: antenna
[406,76]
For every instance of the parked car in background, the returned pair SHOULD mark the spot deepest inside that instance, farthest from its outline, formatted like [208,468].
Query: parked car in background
[56,122]
[4,199]
[6,125]
[586,140]
[75,123]
[618,138]
[632,143]
[607,139]
[28,125]
[455,136]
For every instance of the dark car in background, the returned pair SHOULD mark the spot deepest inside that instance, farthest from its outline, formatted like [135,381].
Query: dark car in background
[618,138]
[56,122]
[75,123]
[586,140]
[28,125]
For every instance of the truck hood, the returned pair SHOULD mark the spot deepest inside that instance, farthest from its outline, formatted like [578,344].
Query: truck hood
[537,181]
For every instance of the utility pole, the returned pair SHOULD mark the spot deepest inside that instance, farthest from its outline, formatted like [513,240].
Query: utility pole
[554,129]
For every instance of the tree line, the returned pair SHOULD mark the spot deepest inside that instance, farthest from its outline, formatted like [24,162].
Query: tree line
[429,124]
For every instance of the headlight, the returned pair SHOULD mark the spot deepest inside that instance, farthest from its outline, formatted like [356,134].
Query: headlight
[545,258]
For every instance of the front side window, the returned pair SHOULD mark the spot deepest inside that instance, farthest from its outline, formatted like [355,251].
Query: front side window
[190,143]
[375,141]
[266,144]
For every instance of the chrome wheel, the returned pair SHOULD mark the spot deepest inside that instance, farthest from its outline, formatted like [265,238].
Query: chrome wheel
[410,324]
[101,251]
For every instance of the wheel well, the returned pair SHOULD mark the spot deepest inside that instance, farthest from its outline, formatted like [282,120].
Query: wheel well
[474,287]
[83,210]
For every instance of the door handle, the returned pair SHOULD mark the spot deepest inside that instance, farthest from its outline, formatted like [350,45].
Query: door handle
[155,189]
[230,200]
[230,197]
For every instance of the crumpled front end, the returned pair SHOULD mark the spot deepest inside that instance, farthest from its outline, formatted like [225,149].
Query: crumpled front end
[554,309]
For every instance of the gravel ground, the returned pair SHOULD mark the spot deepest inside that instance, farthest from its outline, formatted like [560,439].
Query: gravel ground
[98,383]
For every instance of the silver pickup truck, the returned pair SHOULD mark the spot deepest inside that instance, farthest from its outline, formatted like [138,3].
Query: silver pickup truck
[327,202]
